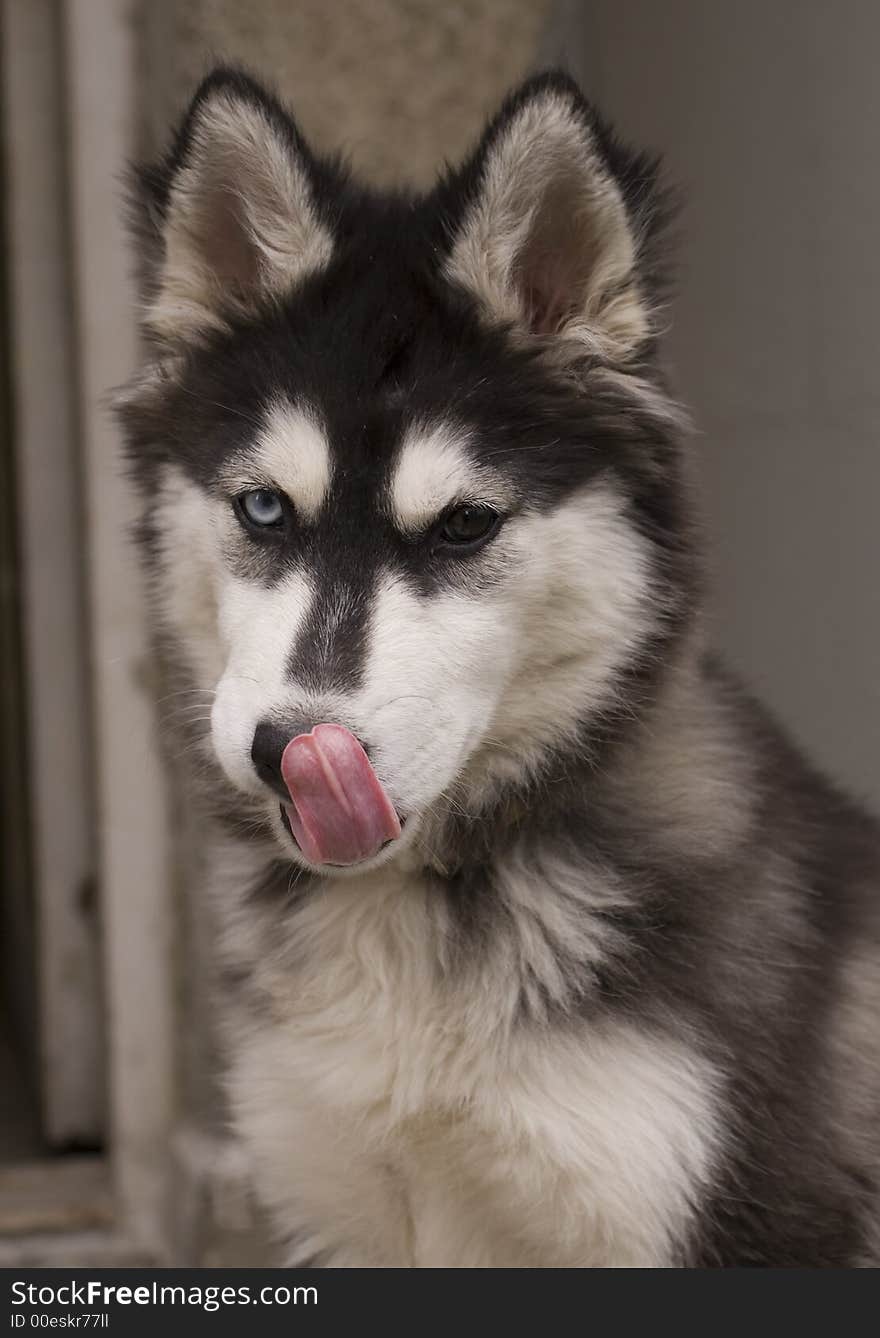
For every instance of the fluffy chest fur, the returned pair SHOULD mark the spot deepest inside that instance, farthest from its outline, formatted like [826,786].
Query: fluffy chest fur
[402,1114]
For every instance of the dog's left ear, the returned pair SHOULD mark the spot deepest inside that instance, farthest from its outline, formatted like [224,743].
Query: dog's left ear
[232,215]
[552,222]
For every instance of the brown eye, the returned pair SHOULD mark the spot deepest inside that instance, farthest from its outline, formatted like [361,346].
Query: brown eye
[469,526]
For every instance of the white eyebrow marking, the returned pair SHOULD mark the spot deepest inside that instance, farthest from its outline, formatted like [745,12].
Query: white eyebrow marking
[290,453]
[434,469]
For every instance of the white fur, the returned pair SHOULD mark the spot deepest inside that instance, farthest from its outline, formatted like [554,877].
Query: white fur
[235,634]
[456,686]
[434,469]
[258,628]
[186,592]
[584,603]
[430,686]
[399,1117]
[290,454]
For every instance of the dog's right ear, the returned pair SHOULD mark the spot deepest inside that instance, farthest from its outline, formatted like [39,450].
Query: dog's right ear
[232,214]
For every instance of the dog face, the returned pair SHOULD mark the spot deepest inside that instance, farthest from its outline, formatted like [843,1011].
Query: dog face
[410,474]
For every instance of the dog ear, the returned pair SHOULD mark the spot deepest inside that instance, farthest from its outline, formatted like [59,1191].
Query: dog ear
[553,224]
[232,214]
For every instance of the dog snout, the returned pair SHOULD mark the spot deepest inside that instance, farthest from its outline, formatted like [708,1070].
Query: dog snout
[270,740]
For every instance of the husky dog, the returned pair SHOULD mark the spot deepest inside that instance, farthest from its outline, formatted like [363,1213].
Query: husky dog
[546,946]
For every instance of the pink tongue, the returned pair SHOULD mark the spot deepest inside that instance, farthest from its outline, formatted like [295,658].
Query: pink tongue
[339,812]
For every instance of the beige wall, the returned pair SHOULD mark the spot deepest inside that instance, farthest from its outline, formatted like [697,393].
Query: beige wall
[397,85]
[769,115]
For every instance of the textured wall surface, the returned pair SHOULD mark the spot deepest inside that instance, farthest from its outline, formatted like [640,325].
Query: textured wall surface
[399,85]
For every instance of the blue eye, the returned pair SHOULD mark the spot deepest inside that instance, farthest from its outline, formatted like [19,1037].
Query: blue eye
[261,507]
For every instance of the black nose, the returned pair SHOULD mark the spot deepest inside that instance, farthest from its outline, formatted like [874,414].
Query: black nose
[269,743]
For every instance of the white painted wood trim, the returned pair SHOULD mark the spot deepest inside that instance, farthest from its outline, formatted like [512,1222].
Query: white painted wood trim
[53,606]
[131,821]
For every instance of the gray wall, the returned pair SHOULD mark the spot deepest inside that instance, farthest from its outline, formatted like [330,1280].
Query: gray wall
[769,116]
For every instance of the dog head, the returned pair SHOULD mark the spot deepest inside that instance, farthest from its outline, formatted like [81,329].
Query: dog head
[413,501]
